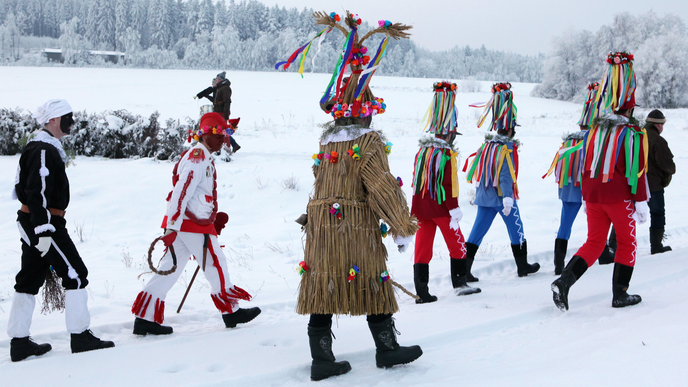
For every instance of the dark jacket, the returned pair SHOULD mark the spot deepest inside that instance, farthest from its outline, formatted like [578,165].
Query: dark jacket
[223,99]
[660,163]
[42,180]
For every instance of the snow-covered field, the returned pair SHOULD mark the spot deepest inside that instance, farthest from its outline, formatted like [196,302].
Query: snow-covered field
[509,335]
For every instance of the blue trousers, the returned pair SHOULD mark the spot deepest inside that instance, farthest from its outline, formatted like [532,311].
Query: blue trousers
[569,211]
[484,219]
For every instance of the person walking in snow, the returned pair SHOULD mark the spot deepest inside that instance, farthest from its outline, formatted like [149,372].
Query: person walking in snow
[42,188]
[614,183]
[220,94]
[494,169]
[568,172]
[660,168]
[344,270]
[435,199]
[191,225]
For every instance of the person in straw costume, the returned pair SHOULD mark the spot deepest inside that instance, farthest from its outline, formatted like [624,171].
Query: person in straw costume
[494,169]
[435,196]
[568,175]
[344,270]
[615,190]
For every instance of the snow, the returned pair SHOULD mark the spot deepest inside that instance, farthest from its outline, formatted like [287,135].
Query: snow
[510,334]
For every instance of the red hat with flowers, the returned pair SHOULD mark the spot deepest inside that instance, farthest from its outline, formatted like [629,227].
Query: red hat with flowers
[211,123]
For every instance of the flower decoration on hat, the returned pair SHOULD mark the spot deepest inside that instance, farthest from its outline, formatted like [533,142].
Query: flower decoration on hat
[317,157]
[618,85]
[211,123]
[350,98]
[590,108]
[352,273]
[384,277]
[335,210]
[303,267]
[440,118]
[502,107]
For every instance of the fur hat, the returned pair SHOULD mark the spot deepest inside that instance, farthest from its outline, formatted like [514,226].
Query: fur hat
[211,123]
[656,117]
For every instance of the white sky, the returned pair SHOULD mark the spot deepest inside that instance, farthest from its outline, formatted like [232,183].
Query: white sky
[525,26]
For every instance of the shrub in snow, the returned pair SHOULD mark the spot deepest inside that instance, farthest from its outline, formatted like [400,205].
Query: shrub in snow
[14,126]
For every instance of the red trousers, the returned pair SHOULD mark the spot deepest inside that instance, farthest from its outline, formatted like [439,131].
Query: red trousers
[600,216]
[426,236]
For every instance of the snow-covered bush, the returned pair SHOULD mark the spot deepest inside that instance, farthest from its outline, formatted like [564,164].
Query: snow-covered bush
[14,126]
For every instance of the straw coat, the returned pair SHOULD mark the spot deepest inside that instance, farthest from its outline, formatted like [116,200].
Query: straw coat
[366,192]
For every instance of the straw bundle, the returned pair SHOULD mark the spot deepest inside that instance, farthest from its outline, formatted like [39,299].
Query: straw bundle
[366,193]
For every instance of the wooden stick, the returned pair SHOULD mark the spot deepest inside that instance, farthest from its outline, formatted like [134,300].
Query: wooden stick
[188,288]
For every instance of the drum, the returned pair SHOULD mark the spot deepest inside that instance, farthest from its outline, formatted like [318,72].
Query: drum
[206,109]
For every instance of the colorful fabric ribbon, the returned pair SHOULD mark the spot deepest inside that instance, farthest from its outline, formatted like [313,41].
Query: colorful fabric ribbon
[428,173]
[487,163]
[303,49]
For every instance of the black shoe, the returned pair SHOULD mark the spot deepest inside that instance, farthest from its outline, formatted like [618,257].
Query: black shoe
[23,347]
[421,277]
[324,365]
[85,341]
[471,250]
[241,316]
[459,268]
[560,287]
[143,327]
[521,257]
[388,352]
[236,148]
[560,247]
[620,282]
[607,256]
[656,244]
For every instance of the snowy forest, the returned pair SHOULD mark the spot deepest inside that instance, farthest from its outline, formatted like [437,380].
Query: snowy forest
[211,34]
[660,47]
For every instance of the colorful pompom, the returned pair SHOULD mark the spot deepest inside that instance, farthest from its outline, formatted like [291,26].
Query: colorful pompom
[384,276]
[384,229]
[334,210]
[334,157]
[401,183]
[334,16]
[352,273]
[302,267]
[354,152]
[388,147]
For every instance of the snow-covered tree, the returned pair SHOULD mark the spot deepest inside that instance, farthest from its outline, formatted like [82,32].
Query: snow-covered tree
[71,43]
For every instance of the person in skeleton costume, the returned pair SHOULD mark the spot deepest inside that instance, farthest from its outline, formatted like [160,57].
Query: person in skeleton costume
[344,270]
[615,190]
[494,169]
[191,225]
[568,173]
[42,188]
[436,190]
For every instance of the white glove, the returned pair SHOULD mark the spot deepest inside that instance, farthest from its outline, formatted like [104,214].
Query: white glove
[642,211]
[44,245]
[508,203]
[456,216]
[585,208]
[403,242]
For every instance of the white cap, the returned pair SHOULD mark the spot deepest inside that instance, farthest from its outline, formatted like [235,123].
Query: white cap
[51,109]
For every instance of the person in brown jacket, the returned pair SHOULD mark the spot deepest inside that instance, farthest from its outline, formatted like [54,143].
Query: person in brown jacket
[660,168]
[222,101]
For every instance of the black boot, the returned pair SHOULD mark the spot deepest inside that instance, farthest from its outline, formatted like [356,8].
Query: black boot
[324,364]
[23,347]
[459,268]
[389,353]
[241,316]
[656,237]
[421,276]
[612,241]
[521,258]
[560,247]
[620,282]
[85,341]
[471,249]
[560,287]
[143,327]
[607,256]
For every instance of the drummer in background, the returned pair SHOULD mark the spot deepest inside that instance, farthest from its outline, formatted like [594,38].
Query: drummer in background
[220,94]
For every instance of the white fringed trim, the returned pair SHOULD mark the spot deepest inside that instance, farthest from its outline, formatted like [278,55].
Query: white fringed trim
[399,240]
[346,133]
[42,136]
[43,228]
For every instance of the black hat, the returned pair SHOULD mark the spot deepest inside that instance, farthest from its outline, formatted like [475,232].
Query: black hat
[656,117]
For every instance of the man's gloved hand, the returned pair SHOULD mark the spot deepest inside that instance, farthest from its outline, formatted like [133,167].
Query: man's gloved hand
[642,212]
[44,245]
[403,242]
[456,216]
[221,220]
[508,204]
[169,237]
[195,97]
